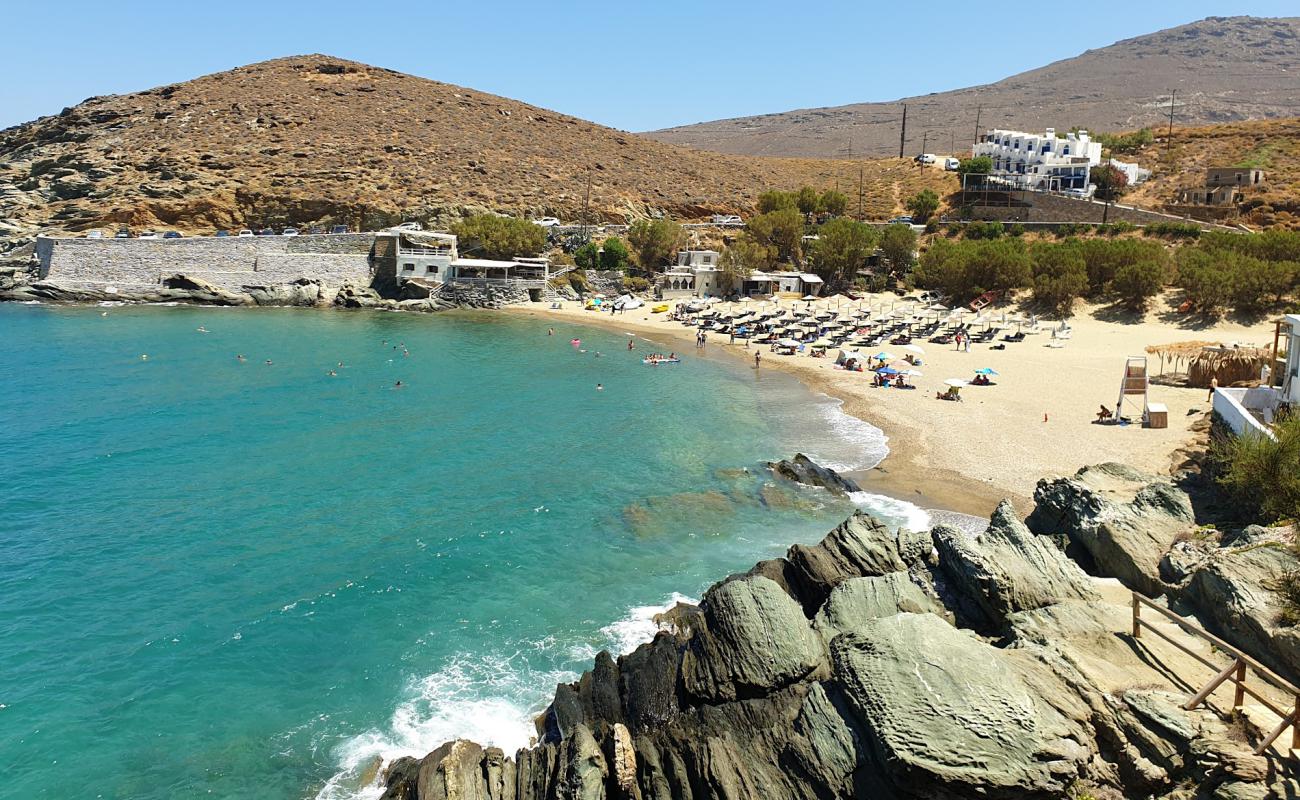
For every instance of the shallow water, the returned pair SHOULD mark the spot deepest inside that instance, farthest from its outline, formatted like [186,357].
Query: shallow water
[245,579]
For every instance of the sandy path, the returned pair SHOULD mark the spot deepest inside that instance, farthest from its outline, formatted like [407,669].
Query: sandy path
[1036,422]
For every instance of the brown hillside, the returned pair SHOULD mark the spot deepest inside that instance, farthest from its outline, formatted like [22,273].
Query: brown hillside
[1223,69]
[315,139]
[1270,145]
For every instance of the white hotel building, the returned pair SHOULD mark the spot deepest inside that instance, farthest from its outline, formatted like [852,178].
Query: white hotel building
[1047,163]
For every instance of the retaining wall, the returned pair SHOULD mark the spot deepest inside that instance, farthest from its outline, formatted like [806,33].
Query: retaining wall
[227,262]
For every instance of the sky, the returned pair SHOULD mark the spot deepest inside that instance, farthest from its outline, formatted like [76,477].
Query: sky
[632,66]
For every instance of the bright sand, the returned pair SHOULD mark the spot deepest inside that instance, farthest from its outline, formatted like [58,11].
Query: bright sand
[1037,421]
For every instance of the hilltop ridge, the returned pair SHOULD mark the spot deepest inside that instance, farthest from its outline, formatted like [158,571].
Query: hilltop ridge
[1223,69]
[318,139]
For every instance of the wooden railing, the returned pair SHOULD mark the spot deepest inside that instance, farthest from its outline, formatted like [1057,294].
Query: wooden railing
[1236,672]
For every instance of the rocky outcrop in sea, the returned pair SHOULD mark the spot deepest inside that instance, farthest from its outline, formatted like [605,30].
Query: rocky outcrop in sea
[919,664]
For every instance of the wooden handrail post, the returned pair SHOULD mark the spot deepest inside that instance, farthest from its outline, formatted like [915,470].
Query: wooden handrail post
[1211,686]
[1137,614]
[1240,696]
[1295,725]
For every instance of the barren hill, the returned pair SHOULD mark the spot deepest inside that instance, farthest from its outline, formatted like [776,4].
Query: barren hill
[315,139]
[1222,69]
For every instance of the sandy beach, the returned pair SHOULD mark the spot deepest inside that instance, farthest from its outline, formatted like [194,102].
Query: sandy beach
[1036,421]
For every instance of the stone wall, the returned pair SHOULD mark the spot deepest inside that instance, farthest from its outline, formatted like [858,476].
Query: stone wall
[1048,208]
[228,262]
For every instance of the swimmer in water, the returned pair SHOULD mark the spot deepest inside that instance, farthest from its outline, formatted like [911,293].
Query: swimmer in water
[268,361]
[201,329]
[397,385]
[240,357]
[340,364]
[144,356]
[600,387]
[597,354]
[631,344]
[332,374]
[549,331]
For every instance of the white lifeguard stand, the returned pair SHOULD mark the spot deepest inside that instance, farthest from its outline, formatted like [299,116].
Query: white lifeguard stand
[1135,382]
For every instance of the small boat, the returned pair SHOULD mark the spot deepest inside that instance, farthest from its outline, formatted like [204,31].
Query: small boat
[658,361]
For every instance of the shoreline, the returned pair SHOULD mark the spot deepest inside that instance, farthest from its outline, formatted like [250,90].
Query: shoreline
[900,475]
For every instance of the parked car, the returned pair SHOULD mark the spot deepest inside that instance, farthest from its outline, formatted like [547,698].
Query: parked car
[316,231]
[904,220]
[289,232]
[339,229]
[547,222]
[148,235]
[410,226]
[951,164]
[122,233]
[220,234]
[94,234]
[926,158]
[729,220]
[172,235]
[245,232]
[266,232]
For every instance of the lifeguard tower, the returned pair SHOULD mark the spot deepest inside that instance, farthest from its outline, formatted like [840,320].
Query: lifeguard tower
[1135,383]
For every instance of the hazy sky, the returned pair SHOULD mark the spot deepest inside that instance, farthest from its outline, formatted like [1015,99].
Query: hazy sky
[634,66]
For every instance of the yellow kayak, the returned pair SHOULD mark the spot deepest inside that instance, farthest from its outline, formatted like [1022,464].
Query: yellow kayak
[659,309]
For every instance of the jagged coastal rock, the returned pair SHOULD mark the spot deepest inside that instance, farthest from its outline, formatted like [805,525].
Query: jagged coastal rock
[902,664]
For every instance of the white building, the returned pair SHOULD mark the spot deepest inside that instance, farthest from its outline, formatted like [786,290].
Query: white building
[1042,162]
[433,258]
[1248,411]
[1048,163]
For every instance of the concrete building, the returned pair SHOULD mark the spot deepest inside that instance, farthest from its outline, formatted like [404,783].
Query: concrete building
[1233,176]
[1048,163]
[433,258]
[1223,187]
[1251,411]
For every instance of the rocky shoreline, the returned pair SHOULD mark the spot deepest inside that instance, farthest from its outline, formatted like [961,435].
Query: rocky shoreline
[931,664]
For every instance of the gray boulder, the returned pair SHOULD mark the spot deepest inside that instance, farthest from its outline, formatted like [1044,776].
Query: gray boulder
[949,716]
[301,292]
[803,469]
[1008,569]
[860,546]
[857,600]
[755,640]
[1233,593]
[1124,520]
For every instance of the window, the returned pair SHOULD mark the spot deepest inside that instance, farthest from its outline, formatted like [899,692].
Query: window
[431,270]
[1065,151]
[708,259]
[408,268]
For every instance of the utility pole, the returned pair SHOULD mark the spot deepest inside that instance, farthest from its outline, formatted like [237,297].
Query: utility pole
[860,219]
[952,143]
[902,136]
[925,141]
[586,202]
[1169,138]
[978,110]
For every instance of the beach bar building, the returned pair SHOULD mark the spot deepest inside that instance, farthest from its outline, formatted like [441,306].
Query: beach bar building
[433,258]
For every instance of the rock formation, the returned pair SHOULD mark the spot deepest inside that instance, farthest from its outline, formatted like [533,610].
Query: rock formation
[899,664]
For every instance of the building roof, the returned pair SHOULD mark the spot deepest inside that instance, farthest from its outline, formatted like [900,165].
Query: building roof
[808,277]
[484,263]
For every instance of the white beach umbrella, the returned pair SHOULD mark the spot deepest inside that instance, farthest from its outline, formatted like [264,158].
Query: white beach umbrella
[913,373]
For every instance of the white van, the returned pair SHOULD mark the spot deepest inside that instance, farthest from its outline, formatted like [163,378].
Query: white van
[951,164]
[926,158]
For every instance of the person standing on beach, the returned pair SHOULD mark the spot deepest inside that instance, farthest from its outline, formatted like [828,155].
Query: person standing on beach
[758,356]
[1214,384]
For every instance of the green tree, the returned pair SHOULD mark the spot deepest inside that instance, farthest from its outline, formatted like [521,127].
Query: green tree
[1203,278]
[807,200]
[1246,464]
[1059,275]
[923,204]
[841,249]
[490,236]
[898,246]
[782,231]
[741,258]
[1138,282]
[1110,182]
[614,254]
[976,165]
[776,200]
[655,242]
[587,256]
[834,202]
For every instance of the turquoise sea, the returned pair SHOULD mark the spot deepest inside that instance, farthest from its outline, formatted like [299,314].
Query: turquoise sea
[250,578]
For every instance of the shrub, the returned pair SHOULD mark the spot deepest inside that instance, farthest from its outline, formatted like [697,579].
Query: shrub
[776,200]
[807,200]
[898,245]
[978,165]
[655,241]
[587,256]
[834,202]
[636,283]
[614,254]
[1207,284]
[1249,464]
[923,204]
[841,249]
[1173,230]
[1015,229]
[984,230]
[1059,275]
[1288,590]
[490,236]
[1106,258]
[1137,283]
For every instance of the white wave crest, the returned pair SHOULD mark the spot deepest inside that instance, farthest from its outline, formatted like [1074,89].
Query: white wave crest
[898,512]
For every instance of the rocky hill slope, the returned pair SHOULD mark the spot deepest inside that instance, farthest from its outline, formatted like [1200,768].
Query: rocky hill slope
[1223,69]
[909,665]
[315,139]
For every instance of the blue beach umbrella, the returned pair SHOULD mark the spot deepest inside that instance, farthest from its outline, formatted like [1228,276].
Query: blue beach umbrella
[887,371]
[986,371]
